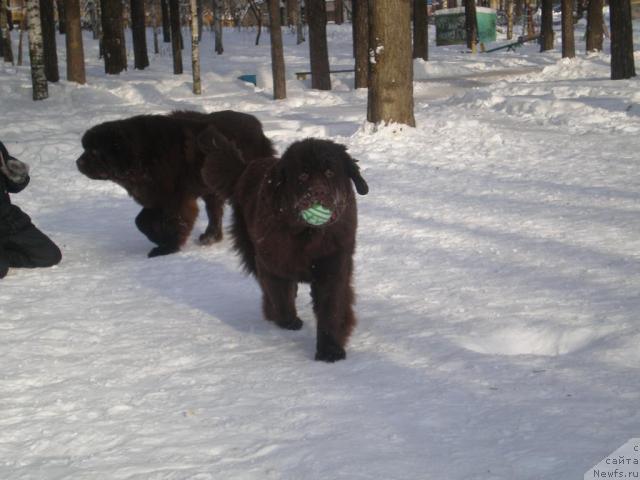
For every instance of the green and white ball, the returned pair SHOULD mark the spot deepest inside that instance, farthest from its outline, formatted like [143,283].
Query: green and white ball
[316,215]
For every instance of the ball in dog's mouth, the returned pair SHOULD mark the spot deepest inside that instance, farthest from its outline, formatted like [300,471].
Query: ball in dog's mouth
[316,214]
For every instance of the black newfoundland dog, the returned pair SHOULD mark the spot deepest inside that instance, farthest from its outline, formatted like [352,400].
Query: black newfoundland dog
[294,220]
[156,159]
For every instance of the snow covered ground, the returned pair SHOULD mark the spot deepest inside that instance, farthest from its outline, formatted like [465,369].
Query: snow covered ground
[497,273]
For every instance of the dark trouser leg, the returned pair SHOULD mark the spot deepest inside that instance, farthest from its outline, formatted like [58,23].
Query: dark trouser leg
[30,248]
[214,205]
[4,263]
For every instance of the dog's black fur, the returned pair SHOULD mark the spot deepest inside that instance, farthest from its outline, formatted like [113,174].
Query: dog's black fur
[156,159]
[277,245]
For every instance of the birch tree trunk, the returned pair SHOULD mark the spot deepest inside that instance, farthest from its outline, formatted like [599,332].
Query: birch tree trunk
[277,51]
[73,38]
[36,52]
[390,97]
[195,48]
[509,8]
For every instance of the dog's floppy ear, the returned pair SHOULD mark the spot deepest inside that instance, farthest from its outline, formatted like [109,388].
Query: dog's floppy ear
[354,172]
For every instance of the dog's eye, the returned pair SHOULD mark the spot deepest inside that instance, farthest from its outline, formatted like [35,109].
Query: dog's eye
[329,173]
[303,177]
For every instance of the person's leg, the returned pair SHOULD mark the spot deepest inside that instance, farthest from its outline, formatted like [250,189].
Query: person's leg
[4,263]
[30,248]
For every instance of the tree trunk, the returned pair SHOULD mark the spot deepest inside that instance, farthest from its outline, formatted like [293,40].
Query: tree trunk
[195,48]
[339,12]
[176,46]
[318,50]
[622,62]
[139,35]
[156,26]
[49,40]
[257,12]
[595,24]
[217,27]
[115,58]
[23,28]
[7,48]
[531,28]
[292,10]
[73,38]
[471,24]
[277,51]
[546,26]
[36,52]
[420,32]
[166,21]
[568,40]
[509,13]
[390,66]
[360,19]
[299,24]
[62,28]
[93,15]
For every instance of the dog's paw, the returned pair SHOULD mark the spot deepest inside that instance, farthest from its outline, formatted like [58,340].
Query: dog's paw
[295,324]
[328,350]
[159,251]
[209,238]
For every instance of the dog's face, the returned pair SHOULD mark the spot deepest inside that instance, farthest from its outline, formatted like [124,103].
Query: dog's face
[104,156]
[314,178]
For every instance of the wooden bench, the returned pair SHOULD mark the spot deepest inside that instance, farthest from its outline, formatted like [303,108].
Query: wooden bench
[303,75]
[512,46]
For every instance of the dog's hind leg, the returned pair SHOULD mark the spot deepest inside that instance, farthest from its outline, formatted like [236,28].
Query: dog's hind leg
[214,206]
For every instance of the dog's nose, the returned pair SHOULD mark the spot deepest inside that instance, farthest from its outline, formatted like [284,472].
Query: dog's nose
[318,191]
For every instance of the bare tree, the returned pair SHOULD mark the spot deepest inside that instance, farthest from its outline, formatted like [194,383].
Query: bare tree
[622,62]
[115,58]
[7,48]
[420,32]
[546,26]
[339,12]
[36,52]
[390,65]
[176,44]
[257,12]
[360,18]
[217,26]
[73,39]
[509,13]
[49,40]
[318,49]
[139,35]
[595,24]
[568,40]
[471,24]
[277,51]
[166,21]
[195,48]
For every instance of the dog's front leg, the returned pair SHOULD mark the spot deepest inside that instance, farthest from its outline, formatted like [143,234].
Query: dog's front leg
[332,302]
[279,300]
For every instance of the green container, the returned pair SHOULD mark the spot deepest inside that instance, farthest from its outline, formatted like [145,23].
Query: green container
[450,28]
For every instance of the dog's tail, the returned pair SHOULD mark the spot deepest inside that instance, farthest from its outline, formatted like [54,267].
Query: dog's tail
[223,163]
